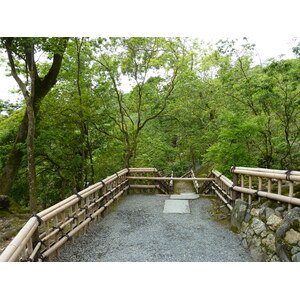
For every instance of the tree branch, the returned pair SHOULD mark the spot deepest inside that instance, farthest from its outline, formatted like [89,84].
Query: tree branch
[20,83]
[165,101]
[105,132]
[44,85]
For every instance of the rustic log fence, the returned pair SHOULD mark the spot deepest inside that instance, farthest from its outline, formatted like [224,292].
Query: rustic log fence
[139,180]
[47,231]
[254,183]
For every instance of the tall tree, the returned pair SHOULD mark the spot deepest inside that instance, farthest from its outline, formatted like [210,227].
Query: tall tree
[151,65]
[34,81]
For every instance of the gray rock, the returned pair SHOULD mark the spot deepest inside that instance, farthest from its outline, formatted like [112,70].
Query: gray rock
[274,258]
[244,227]
[279,209]
[278,214]
[262,213]
[263,234]
[256,250]
[249,234]
[274,222]
[292,236]
[240,237]
[238,213]
[296,257]
[295,250]
[282,251]
[248,217]
[244,243]
[269,212]
[258,226]
[291,220]
[269,242]
[254,212]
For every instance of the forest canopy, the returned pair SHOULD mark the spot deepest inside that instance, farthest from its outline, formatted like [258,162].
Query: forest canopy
[103,104]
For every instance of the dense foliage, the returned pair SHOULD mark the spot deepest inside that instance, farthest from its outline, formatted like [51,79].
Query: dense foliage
[165,102]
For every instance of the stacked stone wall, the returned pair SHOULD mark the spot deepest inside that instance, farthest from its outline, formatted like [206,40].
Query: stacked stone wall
[268,229]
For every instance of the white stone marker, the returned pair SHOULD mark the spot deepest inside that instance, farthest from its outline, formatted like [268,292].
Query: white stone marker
[177,207]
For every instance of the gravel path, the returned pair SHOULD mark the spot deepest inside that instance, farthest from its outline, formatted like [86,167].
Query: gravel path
[138,230]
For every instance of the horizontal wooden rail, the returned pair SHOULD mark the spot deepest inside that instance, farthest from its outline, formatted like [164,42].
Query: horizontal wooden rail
[230,190]
[273,175]
[170,178]
[272,196]
[142,170]
[276,171]
[143,186]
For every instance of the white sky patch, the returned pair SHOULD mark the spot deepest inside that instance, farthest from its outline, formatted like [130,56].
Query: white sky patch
[7,85]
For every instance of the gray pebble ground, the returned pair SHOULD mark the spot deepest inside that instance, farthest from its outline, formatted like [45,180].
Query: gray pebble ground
[139,231]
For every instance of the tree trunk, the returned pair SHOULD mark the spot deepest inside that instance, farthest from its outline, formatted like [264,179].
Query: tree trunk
[90,152]
[31,157]
[41,87]
[83,171]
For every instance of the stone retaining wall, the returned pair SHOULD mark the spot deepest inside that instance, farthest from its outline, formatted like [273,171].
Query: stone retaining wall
[268,229]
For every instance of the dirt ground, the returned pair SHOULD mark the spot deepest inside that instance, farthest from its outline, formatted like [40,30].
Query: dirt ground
[184,187]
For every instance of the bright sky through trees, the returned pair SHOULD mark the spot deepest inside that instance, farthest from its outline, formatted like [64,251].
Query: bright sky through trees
[266,48]
[271,25]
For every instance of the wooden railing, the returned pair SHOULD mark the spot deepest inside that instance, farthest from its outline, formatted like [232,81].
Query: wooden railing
[255,183]
[222,186]
[47,231]
[259,182]
[139,180]
[195,182]
[191,174]
[44,233]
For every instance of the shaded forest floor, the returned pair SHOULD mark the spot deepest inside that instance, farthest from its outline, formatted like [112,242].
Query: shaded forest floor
[10,226]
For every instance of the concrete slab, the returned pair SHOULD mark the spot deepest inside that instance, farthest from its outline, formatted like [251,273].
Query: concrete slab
[185,196]
[177,207]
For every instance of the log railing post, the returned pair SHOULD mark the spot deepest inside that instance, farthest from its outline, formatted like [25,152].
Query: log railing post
[259,185]
[242,185]
[250,186]
[235,180]
[291,193]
